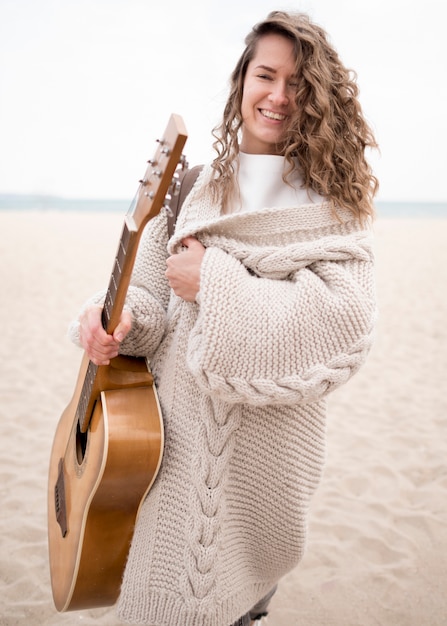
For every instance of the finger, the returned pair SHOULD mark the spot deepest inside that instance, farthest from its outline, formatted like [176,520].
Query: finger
[102,359]
[99,351]
[190,242]
[195,246]
[124,326]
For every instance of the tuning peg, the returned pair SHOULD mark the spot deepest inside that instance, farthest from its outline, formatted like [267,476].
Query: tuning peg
[152,162]
[168,210]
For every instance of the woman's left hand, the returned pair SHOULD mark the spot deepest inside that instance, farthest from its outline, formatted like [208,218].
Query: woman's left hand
[183,269]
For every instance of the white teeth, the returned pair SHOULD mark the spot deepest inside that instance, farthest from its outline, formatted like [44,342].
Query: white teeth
[272,115]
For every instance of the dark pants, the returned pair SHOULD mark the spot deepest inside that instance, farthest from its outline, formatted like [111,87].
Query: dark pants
[258,611]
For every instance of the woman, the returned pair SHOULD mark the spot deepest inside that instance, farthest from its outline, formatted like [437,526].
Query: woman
[263,304]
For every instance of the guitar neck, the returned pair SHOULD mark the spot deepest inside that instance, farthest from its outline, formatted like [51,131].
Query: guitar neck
[149,200]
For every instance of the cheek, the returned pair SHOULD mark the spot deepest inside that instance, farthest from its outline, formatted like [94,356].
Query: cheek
[247,104]
[293,104]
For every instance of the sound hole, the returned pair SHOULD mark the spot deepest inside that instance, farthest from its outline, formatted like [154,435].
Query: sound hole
[81,444]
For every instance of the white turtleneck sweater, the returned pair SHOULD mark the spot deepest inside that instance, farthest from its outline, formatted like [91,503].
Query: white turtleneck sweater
[261,184]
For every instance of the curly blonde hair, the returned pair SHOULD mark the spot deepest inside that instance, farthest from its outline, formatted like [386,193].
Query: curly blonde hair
[327,134]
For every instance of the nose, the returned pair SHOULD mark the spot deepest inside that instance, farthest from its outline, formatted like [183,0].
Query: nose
[279,94]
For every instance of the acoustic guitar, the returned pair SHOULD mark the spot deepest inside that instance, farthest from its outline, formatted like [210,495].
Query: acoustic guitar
[108,444]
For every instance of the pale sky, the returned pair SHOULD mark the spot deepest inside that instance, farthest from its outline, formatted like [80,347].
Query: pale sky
[87,86]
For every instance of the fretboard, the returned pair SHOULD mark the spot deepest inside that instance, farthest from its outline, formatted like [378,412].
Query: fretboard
[86,400]
[118,283]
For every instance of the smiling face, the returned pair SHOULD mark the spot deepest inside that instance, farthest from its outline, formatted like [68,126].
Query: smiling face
[269,95]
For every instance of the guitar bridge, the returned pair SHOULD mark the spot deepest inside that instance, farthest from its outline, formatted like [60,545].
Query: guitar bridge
[59,499]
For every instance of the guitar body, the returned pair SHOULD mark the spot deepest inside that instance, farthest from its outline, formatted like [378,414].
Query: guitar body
[106,474]
[108,444]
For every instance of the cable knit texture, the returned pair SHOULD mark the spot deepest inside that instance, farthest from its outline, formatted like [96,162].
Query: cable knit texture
[285,314]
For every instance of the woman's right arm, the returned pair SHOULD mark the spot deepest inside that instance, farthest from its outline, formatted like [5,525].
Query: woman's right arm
[143,319]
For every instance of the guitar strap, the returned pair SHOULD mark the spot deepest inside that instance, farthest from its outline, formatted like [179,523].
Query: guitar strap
[187,180]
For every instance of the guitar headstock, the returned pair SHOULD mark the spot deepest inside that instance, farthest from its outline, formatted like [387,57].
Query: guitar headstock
[157,180]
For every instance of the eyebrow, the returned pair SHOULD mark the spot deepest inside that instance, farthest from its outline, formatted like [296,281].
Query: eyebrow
[265,67]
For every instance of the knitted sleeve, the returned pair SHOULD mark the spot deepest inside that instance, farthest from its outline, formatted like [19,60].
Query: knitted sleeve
[287,339]
[148,293]
[147,296]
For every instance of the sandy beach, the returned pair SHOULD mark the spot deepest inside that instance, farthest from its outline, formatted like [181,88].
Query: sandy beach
[377,551]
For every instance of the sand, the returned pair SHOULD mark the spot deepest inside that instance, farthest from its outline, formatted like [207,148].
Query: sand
[377,552]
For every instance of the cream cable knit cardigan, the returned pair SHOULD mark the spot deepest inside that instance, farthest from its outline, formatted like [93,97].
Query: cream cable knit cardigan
[285,314]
